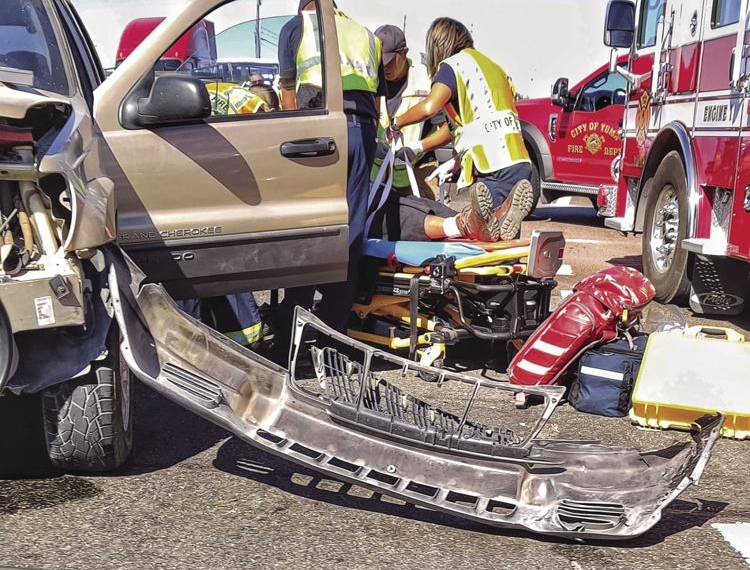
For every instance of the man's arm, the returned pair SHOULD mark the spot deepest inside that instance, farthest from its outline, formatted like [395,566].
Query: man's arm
[289,39]
[288,94]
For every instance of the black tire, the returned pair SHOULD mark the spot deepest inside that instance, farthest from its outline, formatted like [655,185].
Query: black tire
[89,420]
[665,262]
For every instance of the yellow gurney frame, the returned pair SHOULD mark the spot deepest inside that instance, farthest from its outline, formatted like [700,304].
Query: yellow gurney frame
[500,295]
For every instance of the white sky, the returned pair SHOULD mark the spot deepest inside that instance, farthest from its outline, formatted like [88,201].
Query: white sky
[536,41]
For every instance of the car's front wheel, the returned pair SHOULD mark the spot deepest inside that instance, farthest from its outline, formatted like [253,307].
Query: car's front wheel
[665,262]
[89,420]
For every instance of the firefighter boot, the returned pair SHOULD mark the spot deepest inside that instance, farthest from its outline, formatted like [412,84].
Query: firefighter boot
[477,220]
[514,210]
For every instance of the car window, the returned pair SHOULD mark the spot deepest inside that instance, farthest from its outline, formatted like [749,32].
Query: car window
[28,42]
[651,10]
[241,51]
[605,90]
[239,57]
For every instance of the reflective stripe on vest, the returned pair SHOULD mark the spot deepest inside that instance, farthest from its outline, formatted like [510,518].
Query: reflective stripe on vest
[359,50]
[232,99]
[486,130]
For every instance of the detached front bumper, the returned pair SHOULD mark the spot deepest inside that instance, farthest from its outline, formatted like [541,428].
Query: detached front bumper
[348,419]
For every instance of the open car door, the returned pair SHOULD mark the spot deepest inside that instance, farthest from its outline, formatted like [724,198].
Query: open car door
[217,195]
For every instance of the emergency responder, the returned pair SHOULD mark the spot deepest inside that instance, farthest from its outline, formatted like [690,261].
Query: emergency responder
[403,91]
[408,217]
[235,316]
[301,83]
[232,99]
[482,121]
[269,96]
[254,79]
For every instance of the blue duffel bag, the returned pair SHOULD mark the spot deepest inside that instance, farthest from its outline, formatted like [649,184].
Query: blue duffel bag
[604,378]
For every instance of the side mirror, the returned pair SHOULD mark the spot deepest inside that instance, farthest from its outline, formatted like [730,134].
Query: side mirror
[619,24]
[560,94]
[174,98]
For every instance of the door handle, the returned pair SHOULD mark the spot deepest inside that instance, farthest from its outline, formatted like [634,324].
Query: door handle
[304,148]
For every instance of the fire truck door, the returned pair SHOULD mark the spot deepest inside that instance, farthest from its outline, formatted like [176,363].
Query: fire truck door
[589,135]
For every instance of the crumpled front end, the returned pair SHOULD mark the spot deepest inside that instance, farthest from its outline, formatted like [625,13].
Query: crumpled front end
[55,210]
[363,416]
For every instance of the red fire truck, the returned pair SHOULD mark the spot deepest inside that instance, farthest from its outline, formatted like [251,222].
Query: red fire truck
[684,174]
[573,140]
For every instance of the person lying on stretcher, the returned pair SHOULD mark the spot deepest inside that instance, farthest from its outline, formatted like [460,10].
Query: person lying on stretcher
[414,218]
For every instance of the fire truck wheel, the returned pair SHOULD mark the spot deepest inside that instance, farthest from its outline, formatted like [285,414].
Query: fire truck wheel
[88,420]
[665,263]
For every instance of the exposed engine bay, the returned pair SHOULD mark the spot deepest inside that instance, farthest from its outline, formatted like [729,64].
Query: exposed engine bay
[41,284]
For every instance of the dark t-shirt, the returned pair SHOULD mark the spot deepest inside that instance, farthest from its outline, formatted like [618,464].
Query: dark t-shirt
[447,77]
[356,102]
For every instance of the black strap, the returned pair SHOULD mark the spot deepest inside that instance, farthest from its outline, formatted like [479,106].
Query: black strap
[413,315]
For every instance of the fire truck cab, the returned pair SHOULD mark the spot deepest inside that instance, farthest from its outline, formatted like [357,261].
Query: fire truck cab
[573,136]
[684,173]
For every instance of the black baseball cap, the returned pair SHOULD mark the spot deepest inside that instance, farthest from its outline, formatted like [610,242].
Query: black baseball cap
[392,39]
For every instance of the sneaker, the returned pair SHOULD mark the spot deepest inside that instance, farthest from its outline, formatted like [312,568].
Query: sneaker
[477,220]
[514,210]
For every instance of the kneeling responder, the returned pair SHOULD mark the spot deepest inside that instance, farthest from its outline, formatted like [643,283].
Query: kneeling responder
[483,123]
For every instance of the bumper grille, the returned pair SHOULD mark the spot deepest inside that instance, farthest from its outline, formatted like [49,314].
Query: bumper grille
[376,404]
[590,515]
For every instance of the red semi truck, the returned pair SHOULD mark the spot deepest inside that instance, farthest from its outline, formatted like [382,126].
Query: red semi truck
[195,49]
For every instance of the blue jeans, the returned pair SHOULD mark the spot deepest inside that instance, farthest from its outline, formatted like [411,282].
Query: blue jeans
[338,298]
[501,182]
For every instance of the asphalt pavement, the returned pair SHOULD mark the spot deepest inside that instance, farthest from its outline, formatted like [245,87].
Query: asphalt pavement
[195,497]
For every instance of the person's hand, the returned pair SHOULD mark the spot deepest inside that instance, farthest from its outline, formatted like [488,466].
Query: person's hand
[392,133]
[410,153]
[444,172]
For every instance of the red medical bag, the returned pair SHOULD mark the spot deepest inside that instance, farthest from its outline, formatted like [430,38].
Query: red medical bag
[600,303]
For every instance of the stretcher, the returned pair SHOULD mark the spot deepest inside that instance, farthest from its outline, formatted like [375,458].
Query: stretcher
[421,297]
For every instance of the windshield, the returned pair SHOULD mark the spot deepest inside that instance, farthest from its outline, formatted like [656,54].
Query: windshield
[28,42]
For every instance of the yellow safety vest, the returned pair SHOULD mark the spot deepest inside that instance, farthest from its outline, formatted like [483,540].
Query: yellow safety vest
[410,96]
[359,50]
[485,128]
[233,99]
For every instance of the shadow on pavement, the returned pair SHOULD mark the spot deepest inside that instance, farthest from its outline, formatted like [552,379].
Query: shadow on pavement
[24,455]
[238,458]
[634,261]
[166,434]
[33,494]
[241,459]
[571,215]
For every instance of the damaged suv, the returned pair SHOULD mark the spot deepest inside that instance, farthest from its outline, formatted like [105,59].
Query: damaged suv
[118,196]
